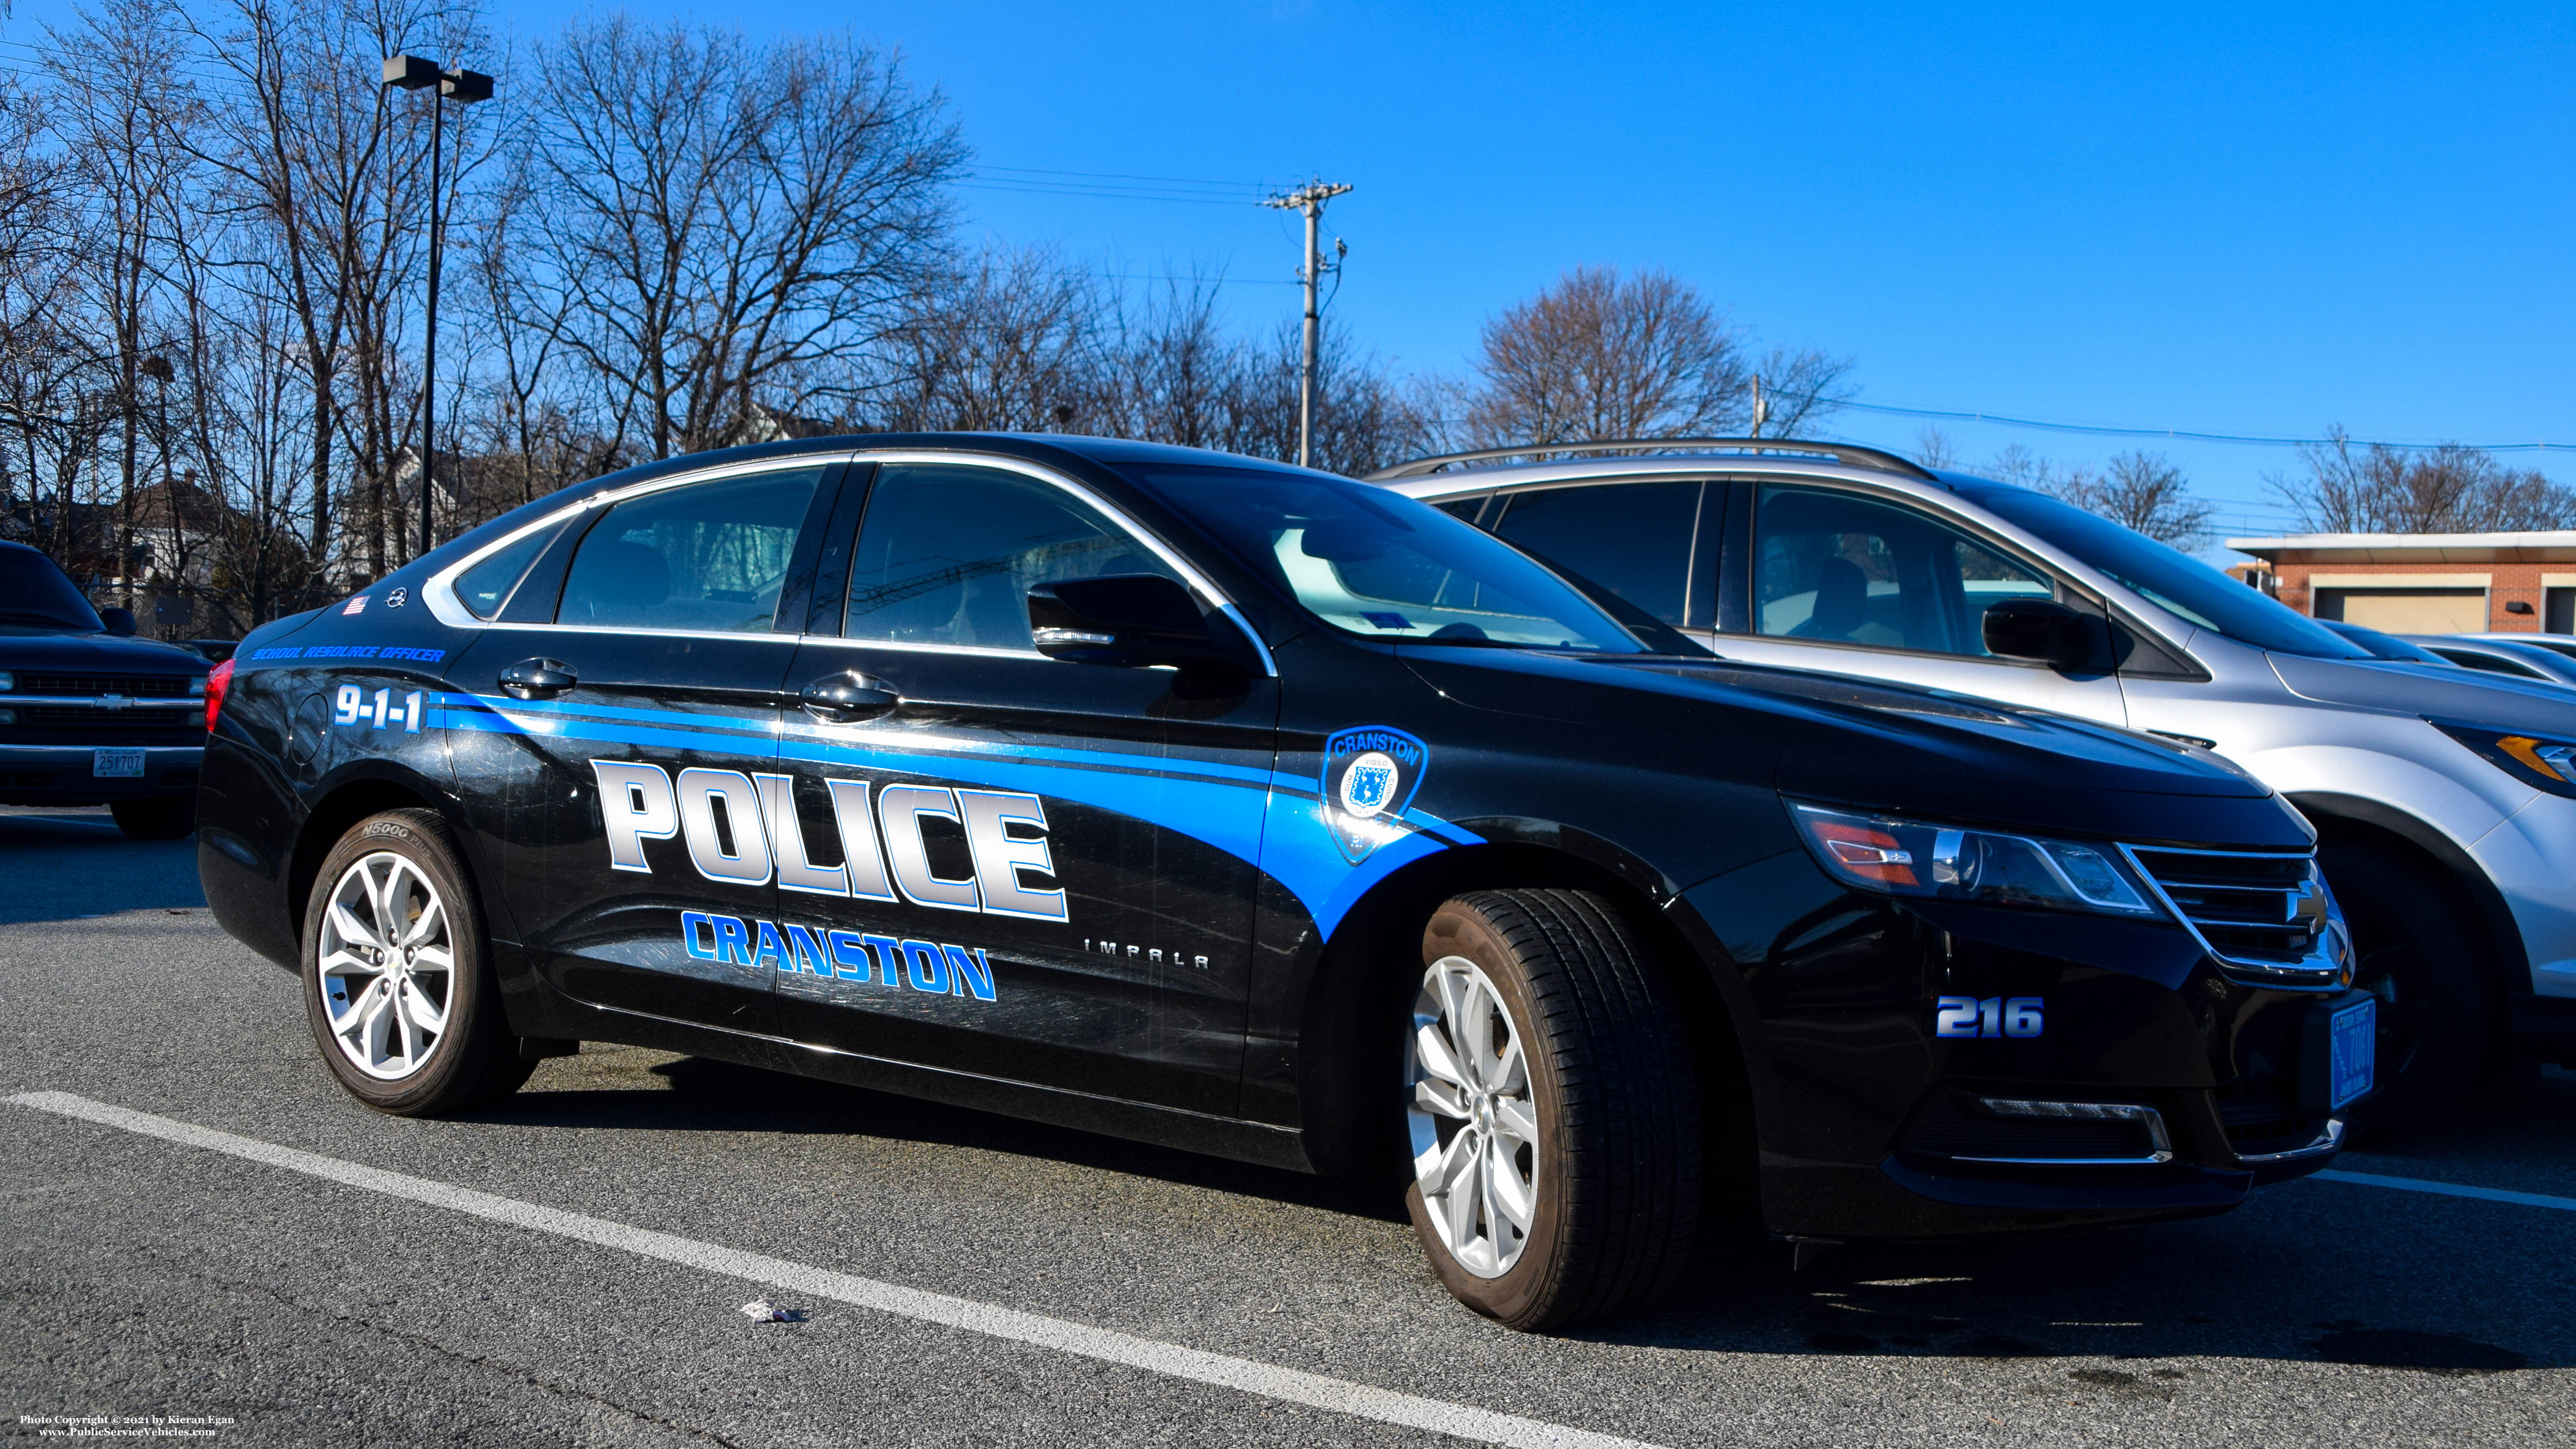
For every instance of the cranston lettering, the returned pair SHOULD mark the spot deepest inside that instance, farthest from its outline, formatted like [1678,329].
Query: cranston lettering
[743,830]
[864,957]
[1404,748]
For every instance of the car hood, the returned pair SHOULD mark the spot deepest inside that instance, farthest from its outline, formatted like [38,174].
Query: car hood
[97,653]
[2431,691]
[1890,747]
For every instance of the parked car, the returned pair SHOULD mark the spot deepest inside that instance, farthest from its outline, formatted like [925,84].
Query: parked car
[90,714]
[2562,645]
[2446,822]
[2513,658]
[2383,646]
[1258,812]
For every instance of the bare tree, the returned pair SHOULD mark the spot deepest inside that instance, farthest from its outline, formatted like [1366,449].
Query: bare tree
[1933,449]
[1008,341]
[2143,491]
[1801,387]
[732,227]
[1601,355]
[2449,489]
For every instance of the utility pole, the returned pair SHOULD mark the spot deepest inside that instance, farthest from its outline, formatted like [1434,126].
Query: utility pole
[1310,199]
[465,87]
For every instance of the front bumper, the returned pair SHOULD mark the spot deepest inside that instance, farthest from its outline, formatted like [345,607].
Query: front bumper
[66,774]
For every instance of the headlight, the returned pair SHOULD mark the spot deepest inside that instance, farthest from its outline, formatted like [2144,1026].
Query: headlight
[8,680]
[1915,858]
[197,687]
[2539,761]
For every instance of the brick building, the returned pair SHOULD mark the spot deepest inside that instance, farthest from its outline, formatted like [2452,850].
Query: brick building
[2422,583]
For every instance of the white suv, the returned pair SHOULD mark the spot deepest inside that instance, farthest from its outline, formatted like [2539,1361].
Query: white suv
[2445,801]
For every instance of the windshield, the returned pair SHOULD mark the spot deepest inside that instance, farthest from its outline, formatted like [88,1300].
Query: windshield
[34,593]
[1381,565]
[2171,578]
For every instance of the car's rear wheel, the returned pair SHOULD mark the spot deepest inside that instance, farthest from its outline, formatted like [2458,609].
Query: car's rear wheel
[2416,948]
[397,972]
[158,817]
[1551,1111]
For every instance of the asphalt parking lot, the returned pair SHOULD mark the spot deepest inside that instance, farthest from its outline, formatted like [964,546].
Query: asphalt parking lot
[201,1226]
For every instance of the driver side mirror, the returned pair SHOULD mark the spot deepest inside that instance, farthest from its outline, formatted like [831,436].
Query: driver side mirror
[2041,630]
[1134,621]
[119,622]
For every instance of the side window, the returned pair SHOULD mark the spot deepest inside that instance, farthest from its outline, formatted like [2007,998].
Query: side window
[1837,566]
[948,552]
[485,587]
[1466,508]
[705,556]
[1633,539]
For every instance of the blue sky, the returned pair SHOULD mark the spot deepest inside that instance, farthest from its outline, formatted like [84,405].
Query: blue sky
[2258,220]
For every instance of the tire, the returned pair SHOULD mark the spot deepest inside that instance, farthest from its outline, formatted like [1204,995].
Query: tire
[1593,1139]
[397,1036]
[158,817]
[2417,949]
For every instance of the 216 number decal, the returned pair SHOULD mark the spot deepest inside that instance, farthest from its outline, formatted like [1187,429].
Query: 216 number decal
[2014,1016]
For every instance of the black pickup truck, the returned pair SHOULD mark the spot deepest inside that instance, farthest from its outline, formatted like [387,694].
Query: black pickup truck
[89,714]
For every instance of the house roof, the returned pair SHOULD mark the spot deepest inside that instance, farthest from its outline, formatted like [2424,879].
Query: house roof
[2538,546]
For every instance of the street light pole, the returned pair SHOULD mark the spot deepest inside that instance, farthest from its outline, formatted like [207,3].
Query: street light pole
[411,73]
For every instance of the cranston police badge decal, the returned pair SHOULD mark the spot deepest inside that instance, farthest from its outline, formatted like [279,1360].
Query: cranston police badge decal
[1370,774]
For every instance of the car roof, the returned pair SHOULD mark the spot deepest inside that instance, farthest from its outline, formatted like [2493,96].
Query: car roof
[1788,462]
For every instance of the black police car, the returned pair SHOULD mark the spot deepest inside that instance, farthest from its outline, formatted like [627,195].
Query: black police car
[89,714]
[1263,813]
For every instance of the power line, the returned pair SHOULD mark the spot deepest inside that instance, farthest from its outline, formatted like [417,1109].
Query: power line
[2186,434]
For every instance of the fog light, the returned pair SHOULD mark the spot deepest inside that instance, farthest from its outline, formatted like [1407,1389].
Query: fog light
[8,716]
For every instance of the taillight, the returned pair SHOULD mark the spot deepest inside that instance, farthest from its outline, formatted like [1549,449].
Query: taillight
[217,682]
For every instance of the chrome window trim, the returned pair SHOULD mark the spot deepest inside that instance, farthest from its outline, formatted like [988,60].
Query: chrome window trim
[908,646]
[439,592]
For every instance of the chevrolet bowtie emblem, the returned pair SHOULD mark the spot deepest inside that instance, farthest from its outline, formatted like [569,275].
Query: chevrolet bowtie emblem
[113,701]
[2308,907]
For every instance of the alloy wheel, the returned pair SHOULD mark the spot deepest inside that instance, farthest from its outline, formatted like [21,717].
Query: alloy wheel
[388,966]
[1473,1118]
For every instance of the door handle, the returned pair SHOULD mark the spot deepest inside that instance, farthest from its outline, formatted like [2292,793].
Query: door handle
[538,679]
[841,698]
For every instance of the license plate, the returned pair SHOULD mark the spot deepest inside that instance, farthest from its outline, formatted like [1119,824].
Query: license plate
[116,764]
[2354,1037]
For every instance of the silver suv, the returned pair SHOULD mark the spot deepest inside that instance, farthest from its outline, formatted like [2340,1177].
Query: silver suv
[2445,800]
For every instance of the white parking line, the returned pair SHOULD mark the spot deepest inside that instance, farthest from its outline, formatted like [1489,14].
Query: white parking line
[1268,1380]
[2447,1189]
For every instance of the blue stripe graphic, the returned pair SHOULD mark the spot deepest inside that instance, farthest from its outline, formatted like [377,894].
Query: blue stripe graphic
[1226,808]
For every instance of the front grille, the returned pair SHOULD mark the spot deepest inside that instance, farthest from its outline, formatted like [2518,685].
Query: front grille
[141,686]
[2261,912]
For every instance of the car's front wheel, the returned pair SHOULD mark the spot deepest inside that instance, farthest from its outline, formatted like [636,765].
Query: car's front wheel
[1551,1110]
[397,972]
[2417,949]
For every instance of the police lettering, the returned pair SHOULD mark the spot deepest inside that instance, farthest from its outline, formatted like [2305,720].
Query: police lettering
[743,830]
